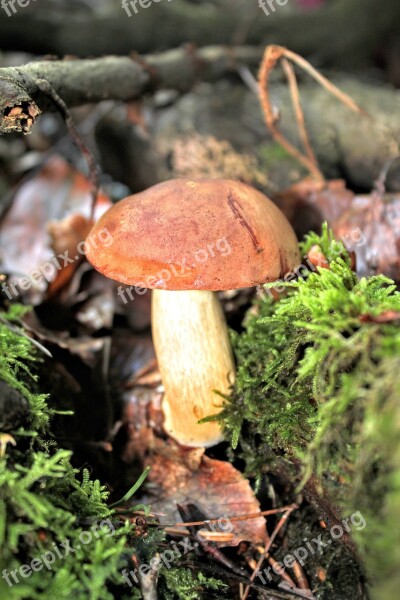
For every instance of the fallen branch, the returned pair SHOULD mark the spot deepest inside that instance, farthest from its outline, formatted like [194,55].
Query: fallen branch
[80,82]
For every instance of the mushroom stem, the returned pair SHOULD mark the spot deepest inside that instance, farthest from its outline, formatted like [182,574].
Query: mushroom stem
[195,357]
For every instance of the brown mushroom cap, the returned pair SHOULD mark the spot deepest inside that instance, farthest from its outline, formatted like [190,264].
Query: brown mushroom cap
[200,235]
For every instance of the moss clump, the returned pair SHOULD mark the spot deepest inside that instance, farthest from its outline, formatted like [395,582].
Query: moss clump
[319,379]
[16,353]
[45,507]
[184,584]
[58,537]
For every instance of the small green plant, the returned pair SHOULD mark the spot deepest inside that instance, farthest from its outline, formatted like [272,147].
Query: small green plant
[319,382]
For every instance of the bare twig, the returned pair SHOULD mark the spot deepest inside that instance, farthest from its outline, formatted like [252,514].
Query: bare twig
[264,513]
[298,110]
[301,579]
[275,567]
[209,548]
[271,120]
[45,87]
[279,526]
[248,79]
[271,56]
[330,87]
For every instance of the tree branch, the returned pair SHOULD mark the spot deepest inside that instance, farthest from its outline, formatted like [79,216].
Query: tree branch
[80,82]
[343,32]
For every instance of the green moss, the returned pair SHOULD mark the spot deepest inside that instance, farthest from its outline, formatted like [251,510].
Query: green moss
[48,507]
[184,584]
[45,502]
[16,353]
[319,381]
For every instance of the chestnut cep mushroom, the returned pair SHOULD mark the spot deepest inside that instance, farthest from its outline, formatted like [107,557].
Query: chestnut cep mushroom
[185,240]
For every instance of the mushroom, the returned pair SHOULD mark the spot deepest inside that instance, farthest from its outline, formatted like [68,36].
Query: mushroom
[185,240]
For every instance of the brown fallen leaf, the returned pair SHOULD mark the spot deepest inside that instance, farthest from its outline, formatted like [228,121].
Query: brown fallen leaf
[308,203]
[66,235]
[55,192]
[187,476]
[371,228]
[368,225]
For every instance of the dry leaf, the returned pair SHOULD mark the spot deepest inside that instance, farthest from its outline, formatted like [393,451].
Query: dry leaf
[189,477]
[308,203]
[371,228]
[66,235]
[53,193]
